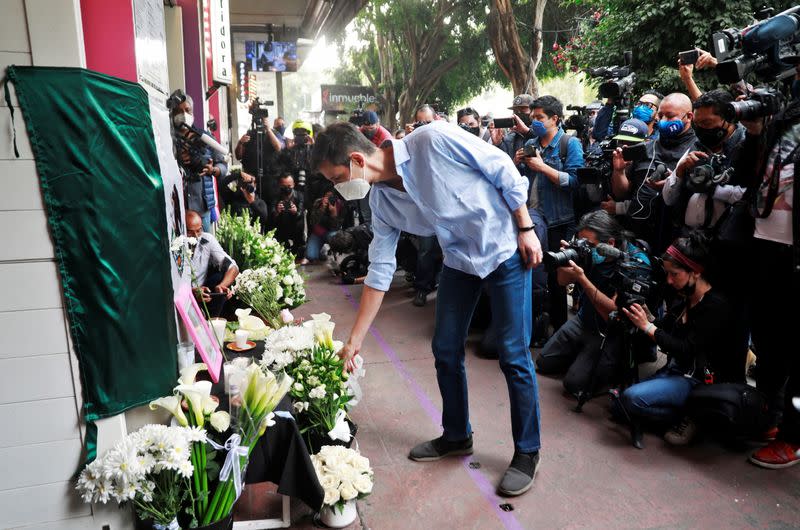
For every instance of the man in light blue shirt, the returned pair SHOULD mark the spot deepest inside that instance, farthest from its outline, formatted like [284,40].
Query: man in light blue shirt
[442,181]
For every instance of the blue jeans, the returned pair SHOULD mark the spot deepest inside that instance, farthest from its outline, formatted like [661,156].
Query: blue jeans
[206,219]
[661,398]
[510,288]
[314,244]
[429,256]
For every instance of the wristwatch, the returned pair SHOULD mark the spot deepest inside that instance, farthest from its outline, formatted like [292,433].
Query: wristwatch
[527,228]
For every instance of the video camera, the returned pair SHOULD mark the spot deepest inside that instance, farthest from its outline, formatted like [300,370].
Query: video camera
[579,122]
[633,278]
[704,178]
[260,110]
[769,48]
[619,80]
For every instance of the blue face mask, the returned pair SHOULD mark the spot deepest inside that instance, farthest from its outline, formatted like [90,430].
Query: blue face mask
[643,112]
[597,259]
[538,128]
[670,128]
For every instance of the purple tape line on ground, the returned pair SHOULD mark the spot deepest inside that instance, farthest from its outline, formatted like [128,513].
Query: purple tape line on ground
[483,484]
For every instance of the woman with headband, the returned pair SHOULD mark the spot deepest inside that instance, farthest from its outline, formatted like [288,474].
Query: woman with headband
[695,335]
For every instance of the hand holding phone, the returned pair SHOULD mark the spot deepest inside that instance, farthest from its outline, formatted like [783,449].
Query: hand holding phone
[689,56]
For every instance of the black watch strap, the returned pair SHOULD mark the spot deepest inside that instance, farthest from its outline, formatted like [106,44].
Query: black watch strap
[527,228]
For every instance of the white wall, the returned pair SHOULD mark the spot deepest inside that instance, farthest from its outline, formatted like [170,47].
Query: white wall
[40,433]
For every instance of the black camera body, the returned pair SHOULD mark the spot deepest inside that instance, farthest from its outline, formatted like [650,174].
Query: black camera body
[707,176]
[578,251]
[530,151]
[760,102]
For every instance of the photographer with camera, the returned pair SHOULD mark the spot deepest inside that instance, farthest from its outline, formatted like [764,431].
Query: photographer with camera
[199,164]
[695,335]
[644,109]
[288,217]
[646,215]
[552,158]
[371,128]
[258,148]
[771,152]
[518,127]
[575,349]
[238,192]
[324,220]
[214,271]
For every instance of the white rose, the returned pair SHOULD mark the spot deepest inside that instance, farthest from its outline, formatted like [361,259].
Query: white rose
[347,491]
[363,484]
[331,497]
[359,463]
[288,280]
[298,387]
[289,301]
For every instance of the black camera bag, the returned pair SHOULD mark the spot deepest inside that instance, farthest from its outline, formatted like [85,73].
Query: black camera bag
[730,409]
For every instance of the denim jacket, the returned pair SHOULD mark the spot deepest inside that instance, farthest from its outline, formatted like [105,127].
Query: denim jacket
[555,201]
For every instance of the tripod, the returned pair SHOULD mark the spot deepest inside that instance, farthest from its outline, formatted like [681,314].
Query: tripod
[619,326]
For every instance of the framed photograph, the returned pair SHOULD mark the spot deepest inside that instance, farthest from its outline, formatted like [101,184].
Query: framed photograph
[202,335]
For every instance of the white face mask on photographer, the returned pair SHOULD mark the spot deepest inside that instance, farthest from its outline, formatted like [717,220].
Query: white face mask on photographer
[356,188]
[183,117]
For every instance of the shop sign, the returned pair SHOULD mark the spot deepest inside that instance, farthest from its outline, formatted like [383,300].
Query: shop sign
[341,98]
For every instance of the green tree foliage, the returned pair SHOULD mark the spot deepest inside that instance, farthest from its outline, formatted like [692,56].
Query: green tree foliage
[656,30]
[421,51]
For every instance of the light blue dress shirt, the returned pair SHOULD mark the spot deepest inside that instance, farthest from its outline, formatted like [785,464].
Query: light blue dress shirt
[458,188]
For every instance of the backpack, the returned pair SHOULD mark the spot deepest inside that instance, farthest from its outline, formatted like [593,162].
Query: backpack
[733,410]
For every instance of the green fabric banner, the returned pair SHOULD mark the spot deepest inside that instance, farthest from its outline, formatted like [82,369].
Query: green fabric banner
[92,139]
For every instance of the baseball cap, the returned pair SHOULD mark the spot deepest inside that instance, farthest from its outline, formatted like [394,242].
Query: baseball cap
[371,117]
[522,100]
[632,130]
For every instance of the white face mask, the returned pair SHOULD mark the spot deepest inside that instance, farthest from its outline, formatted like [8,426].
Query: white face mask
[356,188]
[183,117]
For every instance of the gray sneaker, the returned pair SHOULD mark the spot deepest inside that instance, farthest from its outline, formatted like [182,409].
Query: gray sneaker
[520,474]
[439,448]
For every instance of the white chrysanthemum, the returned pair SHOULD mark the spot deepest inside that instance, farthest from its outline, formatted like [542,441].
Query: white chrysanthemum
[298,387]
[288,280]
[289,301]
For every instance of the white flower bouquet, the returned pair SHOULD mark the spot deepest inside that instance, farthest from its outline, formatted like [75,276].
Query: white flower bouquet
[242,240]
[150,468]
[260,289]
[344,474]
[320,391]
[201,410]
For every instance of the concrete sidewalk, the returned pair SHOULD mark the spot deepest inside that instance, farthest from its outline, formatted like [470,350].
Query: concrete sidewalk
[590,476]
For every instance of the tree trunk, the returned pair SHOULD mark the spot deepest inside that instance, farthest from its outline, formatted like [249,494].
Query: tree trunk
[516,64]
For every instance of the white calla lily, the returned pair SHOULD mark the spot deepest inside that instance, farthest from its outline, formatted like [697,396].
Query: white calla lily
[196,395]
[189,374]
[173,405]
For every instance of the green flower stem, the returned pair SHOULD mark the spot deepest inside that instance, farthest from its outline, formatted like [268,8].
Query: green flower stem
[196,477]
[204,482]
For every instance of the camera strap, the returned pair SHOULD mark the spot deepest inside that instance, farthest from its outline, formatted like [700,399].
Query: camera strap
[11,109]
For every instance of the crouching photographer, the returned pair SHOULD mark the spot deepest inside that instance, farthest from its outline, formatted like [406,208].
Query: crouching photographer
[239,194]
[695,335]
[586,348]
[288,216]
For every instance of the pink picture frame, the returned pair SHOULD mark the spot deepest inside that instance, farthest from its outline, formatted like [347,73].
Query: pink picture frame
[201,333]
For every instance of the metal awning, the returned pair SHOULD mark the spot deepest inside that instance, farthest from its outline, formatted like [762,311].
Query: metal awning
[293,19]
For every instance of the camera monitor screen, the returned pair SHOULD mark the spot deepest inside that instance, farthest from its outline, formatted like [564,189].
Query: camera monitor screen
[271,56]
